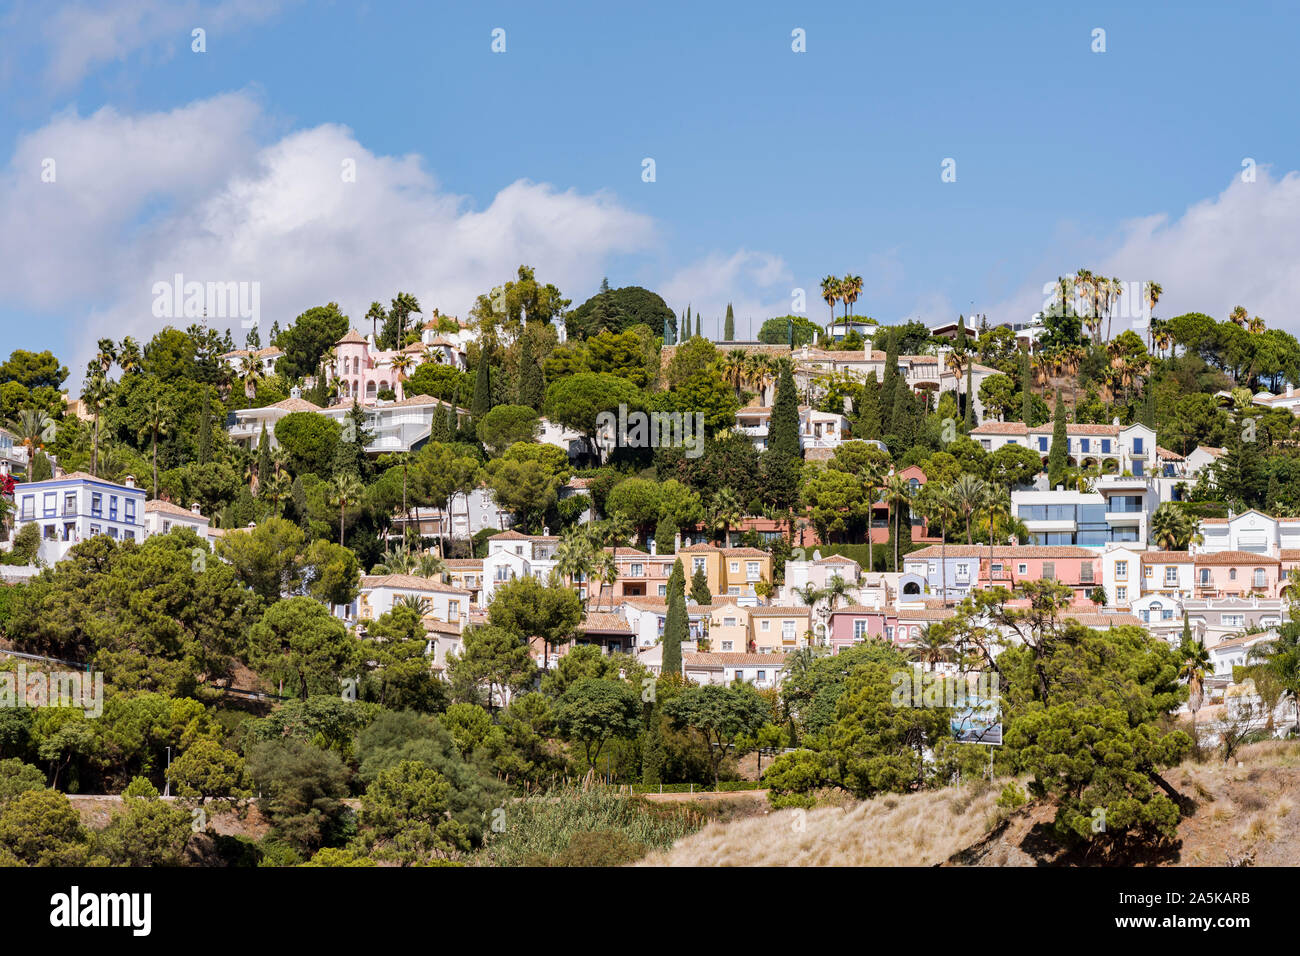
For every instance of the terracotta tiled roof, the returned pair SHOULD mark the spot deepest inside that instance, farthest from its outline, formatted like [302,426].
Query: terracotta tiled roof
[1235,557]
[836,559]
[600,621]
[730,552]
[862,609]
[1003,552]
[463,564]
[770,610]
[1001,428]
[718,661]
[1166,453]
[1094,619]
[408,582]
[297,405]
[166,507]
[1166,557]
[1291,554]
[352,338]
[924,613]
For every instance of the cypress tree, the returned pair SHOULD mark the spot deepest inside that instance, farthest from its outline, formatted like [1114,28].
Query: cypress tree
[902,411]
[868,423]
[698,326]
[481,403]
[438,431]
[665,536]
[961,343]
[531,386]
[677,626]
[729,328]
[652,755]
[1056,457]
[970,398]
[263,459]
[453,422]
[700,592]
[783,428]
[686,329]
[1187,630]
[205,428]
[888,385]
[1027,396]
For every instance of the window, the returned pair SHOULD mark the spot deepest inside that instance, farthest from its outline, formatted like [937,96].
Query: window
[96,504]
[1137,468]
[1171,575]
[48,502]
[751,570]
[1121,570]
[112,507]
[636,571]
[503,573]
[130,510]
[1205,577]
[1234,620]
[963,571]
[1121,594]
[997,570]
[733,592]
[1105,446]
[94,530]
[1232,574]
[70,503]
[1167,614]
[934,567]
[697,564]
[889,633]
[735,567]
[1049,569]
[1022,569]
[787,630]
[1259,577]
[1083,445]
[765,625]
[663,590]
[859,630]
[167,526]
[1137,450]
[762,675]
[1145,616]
[726,645]
[453,609]
[128,535]
[112,532]
[1042,443]
[29,506]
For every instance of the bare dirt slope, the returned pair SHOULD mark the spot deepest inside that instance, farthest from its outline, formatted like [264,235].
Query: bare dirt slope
[1246,813]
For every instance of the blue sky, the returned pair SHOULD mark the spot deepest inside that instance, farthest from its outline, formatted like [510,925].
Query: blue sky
[772,168]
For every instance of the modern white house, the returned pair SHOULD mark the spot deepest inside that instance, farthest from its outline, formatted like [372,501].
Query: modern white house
[162,517]
[513,554]
[75,507]
[446,608]
[817,429]
[265,358]
[13,454]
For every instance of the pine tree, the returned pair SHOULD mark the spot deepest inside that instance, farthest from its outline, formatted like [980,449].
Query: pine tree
[1056,457]
[532,389]
[700,592]
[729,327]
[783,428]
[481,403]
[253,339]
[263,459]
[868,423]
[677,628]
[665,536]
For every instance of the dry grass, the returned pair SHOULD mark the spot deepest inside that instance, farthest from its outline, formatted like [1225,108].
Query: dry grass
[920,829]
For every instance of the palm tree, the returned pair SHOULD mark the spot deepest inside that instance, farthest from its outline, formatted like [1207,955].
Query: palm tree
[836,588]
[604,567]
[403,304]
[250,373]
[345,490]
[1195,663]
[732,367]
[809,594]
[106,355]
[850,289]
[1238,314]
[403,458]
[1256,326]
[933,646]
[1281,659]
[128,356]
[898,492]
[376,314]
[95,393]
[724,511]
[157,421]
[969,495]
[1153,292]
[420,605]
[1085,290]
[1172,528]
[939,506]
[276,488]
[34,427]
[955,361]
[401,364]
[1114,292]
[831,293]
[873,479]
[573,556]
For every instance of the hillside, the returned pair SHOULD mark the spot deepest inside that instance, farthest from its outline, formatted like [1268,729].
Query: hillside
[1244,814]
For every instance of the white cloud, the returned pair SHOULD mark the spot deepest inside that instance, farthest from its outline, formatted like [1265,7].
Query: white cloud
[139,198]
[81,37]
[757,284]
[1241,247]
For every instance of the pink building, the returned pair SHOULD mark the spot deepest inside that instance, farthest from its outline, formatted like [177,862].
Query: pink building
[857,623]
[1236,574]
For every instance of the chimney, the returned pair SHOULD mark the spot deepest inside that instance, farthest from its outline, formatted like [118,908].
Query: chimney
[194,508]
[1290,391]
[129,481]
[654,547]
[677,542]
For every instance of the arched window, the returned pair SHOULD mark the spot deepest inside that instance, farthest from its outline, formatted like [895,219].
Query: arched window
[1232,574]
[370,389]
